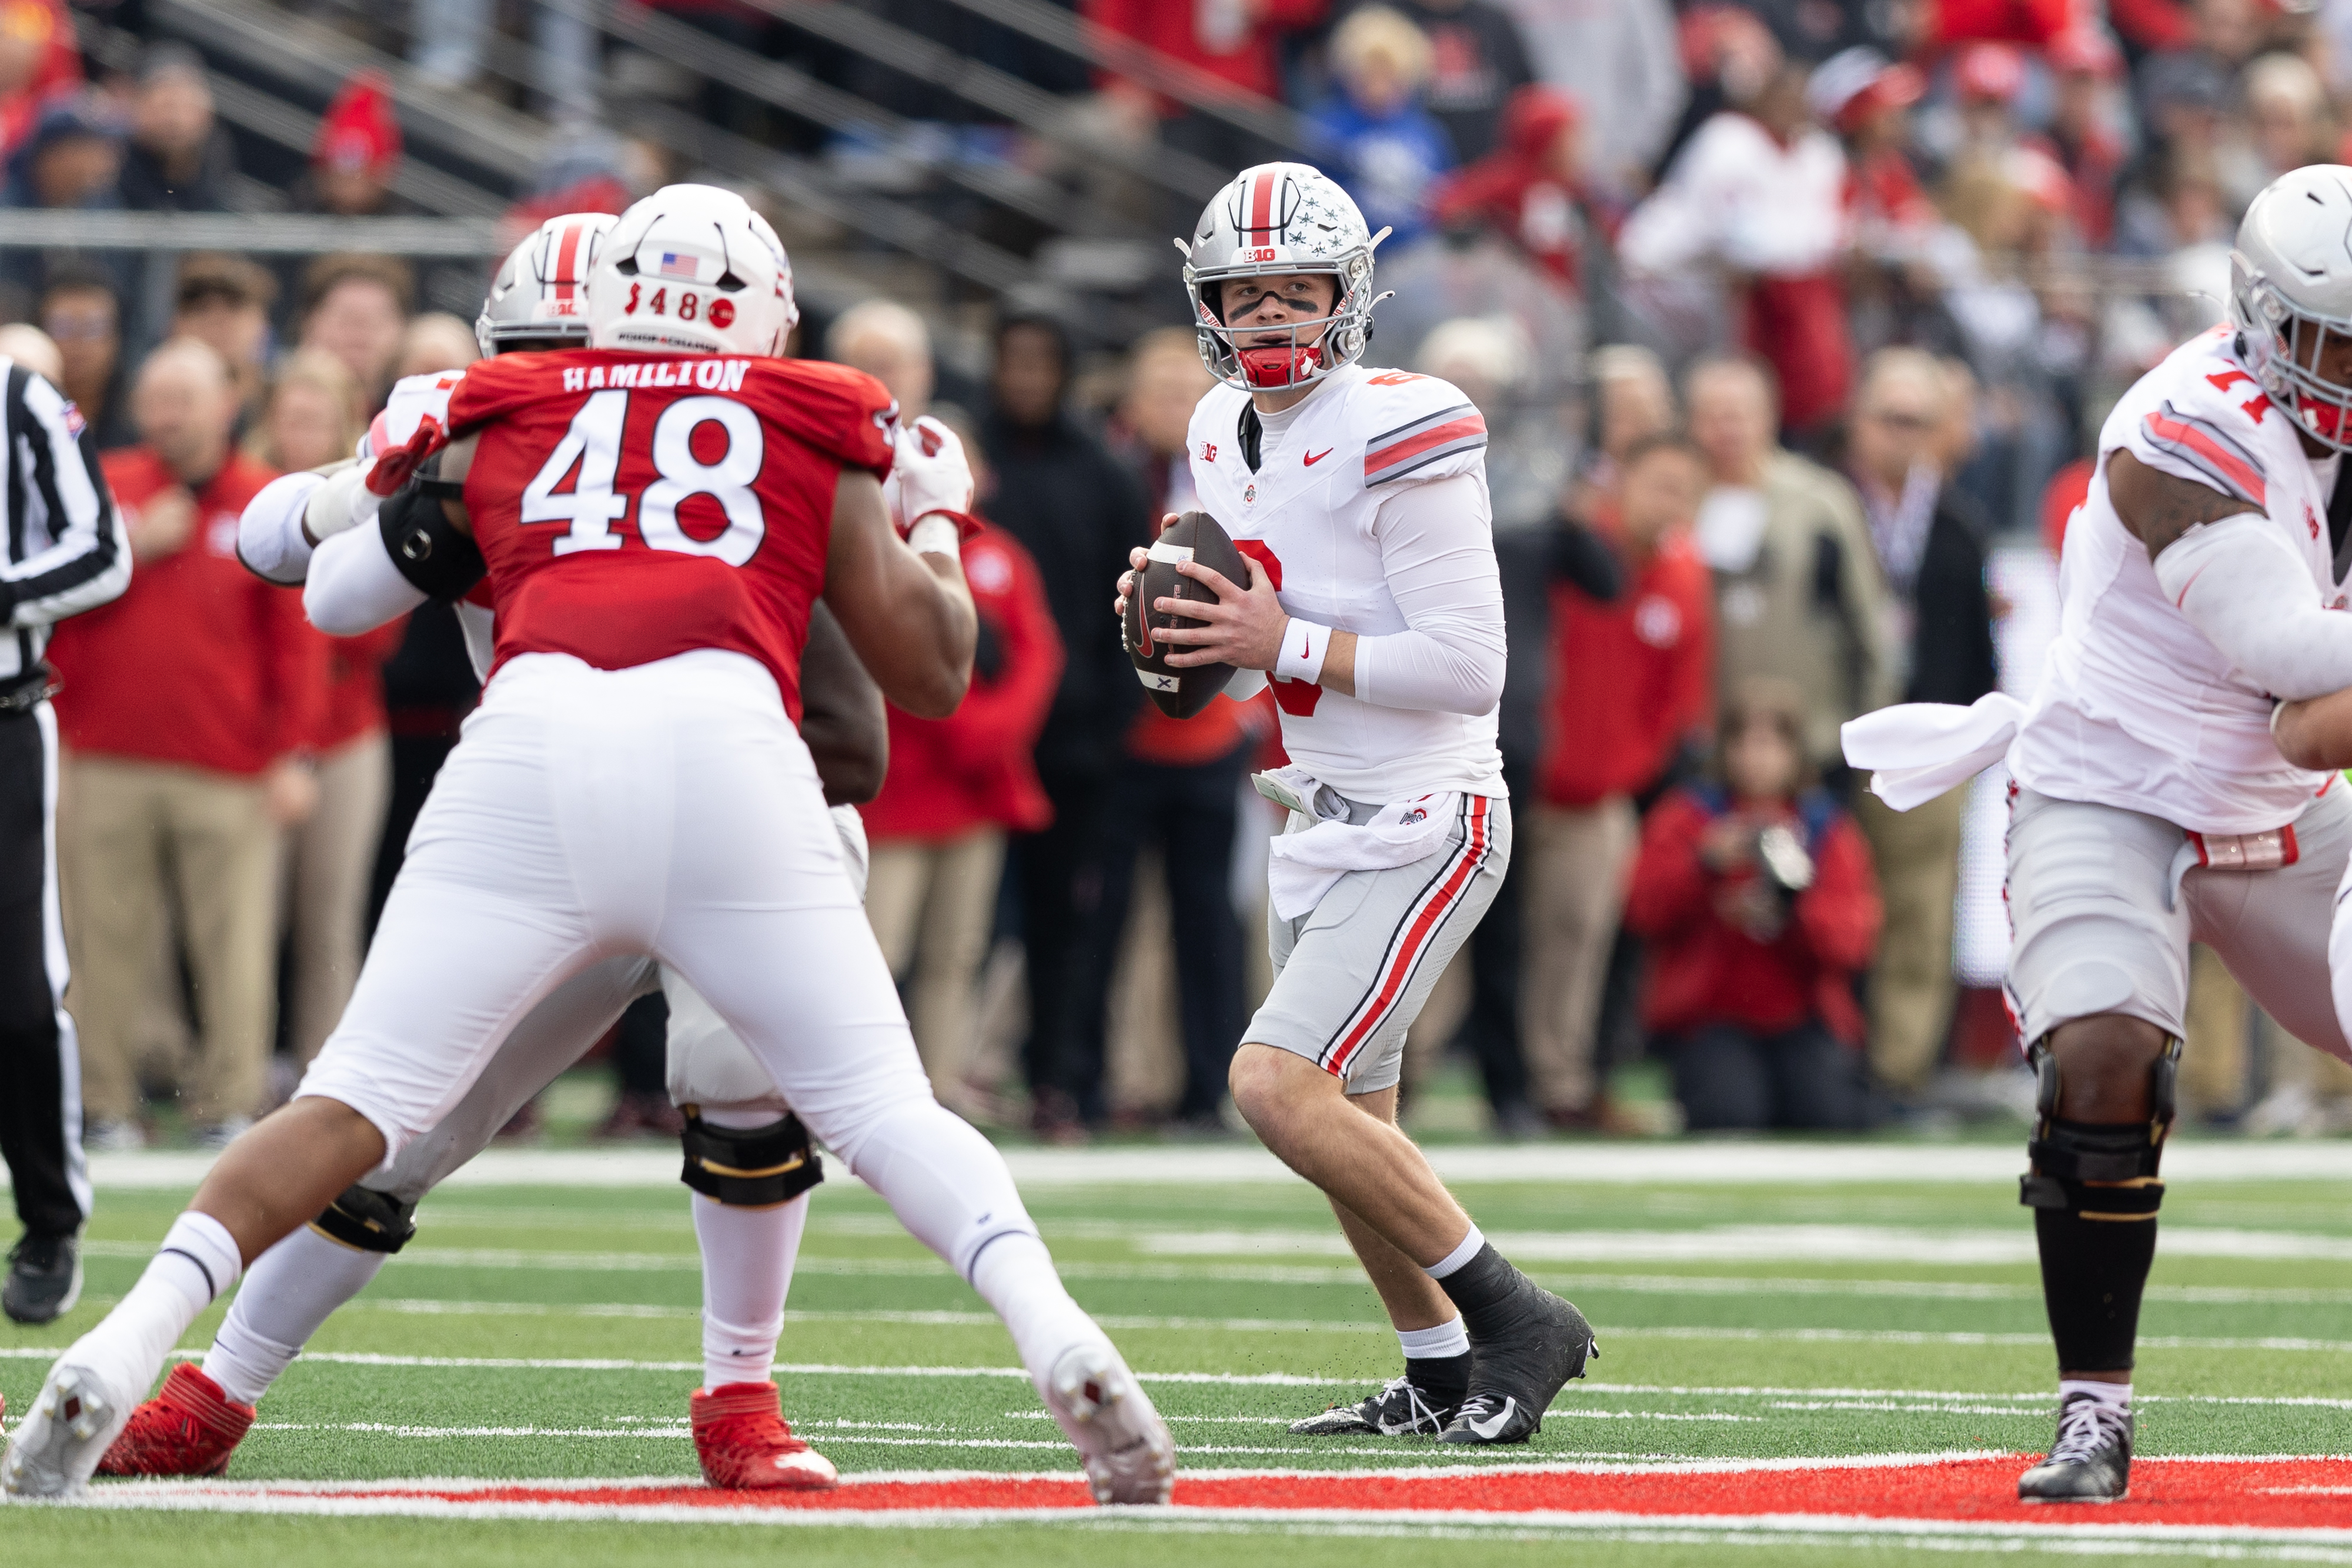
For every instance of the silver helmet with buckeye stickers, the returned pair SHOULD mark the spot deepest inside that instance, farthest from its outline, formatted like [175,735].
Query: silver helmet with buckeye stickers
[540,297]
[2290,296]
[1275,219]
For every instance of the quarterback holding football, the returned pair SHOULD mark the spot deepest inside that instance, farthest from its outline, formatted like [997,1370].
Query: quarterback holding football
[1358,498]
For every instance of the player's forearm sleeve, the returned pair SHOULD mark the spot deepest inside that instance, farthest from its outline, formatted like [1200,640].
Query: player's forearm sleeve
[354,587]
[1437,548]
[2240,583]
[269,537]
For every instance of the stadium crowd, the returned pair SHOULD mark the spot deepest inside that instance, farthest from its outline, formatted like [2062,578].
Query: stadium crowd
[1786,320]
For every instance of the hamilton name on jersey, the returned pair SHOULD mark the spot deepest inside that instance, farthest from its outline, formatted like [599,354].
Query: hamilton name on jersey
[1307,516]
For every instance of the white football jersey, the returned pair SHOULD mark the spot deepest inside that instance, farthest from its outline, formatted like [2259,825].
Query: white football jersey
[2136,708]
[1307,516]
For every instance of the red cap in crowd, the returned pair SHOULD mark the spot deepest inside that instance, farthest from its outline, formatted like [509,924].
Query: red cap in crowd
[359,132]
[1851,85]
[2085,51]
[1992,73]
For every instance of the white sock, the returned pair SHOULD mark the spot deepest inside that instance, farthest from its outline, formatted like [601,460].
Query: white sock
[747,1271]
[2113,1396]
[950,1187]
[292,1289]
[196,1262]
[1448,1338]
[1463,1254]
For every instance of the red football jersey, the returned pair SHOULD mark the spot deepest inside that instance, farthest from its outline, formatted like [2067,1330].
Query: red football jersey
[632,506]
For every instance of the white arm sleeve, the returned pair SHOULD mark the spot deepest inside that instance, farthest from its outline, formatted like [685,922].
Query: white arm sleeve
[2241,585]
[269,537]
[354,587]
[1437,548]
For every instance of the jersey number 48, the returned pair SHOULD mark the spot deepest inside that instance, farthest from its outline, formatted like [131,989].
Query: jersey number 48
[592,505]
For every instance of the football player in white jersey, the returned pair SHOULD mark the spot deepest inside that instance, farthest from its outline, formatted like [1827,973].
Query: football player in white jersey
[749,1225]
[1359,499]
[2152,804]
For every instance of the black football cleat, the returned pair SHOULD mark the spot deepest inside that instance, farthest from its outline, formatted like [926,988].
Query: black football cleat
[2091,1460]
[1403,1409]
[1515,1375]
[44,1278]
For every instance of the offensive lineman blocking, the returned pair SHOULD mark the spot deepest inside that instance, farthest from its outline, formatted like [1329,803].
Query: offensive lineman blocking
[1374,602]
[619,792]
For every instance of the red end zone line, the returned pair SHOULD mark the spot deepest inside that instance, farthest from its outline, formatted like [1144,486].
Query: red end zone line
[2298,1495]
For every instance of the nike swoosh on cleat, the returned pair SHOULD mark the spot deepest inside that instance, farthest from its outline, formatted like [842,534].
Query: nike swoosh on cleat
[1312,458]
[1489,1430]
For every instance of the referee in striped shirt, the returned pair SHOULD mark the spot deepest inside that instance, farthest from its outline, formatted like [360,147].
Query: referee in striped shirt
[64,552]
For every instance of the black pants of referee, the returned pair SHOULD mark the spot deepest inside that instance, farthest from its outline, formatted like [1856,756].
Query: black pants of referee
[40,1062]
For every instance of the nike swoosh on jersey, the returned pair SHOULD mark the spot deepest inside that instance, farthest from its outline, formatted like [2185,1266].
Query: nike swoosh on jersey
[1488,1430]
[1312,458]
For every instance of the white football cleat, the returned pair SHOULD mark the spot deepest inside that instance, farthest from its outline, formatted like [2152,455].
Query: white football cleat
[56,1448]
[1129,1456]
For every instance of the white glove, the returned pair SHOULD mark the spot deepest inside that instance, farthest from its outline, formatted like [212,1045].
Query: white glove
[929,474]
[344,501]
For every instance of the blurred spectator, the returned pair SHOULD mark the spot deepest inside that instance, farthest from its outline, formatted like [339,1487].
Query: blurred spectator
[1178,788]
[83,316]
[179,160]
[1756,896]
[308,423]
[585,170]
[1759,197]
[2289,110]
[355,307]
[193,698]
[1077,511]
[1620,62]
[39,61]
[33,349]
[355,156]
[1631,399]
[224,301]
[436,340]
[1488,358]
[1797,590]
[958,785]
[445,46]
[1236,41]
[1478,60]
[1380,142]
[1529,188]
[72,159]
[1631,683]
[2082,132]
[1987,79]
[1930,545]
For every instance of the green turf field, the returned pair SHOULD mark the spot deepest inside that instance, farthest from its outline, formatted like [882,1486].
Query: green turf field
[550,1332]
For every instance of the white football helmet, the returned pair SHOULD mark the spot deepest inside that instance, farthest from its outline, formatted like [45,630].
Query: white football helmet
[1273,220]
[2291,295]
[540,298]
[691,270]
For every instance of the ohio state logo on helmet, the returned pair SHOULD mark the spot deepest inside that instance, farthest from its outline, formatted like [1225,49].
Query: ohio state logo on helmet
[692,269]
[540,297]
[1278,220]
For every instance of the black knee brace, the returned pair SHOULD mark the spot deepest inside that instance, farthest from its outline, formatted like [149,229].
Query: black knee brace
[371,1221]
[749,1168]
[2099,1170]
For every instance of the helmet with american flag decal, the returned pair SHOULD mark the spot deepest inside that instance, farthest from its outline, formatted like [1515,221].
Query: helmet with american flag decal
[691,270]
[1273,220]
[540,298]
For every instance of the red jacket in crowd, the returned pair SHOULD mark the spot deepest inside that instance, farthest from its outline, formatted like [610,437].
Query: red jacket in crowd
[1703,970]
[199,662]
[973,768]
[1231,40]
[1629,679]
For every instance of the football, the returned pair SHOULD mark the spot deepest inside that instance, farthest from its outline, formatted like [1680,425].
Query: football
[1195,536]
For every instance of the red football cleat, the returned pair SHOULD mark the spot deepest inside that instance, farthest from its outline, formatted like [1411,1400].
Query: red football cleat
[741,1435]
[189,1428]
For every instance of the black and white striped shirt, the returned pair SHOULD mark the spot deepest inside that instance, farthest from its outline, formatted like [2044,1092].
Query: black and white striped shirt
[66,549]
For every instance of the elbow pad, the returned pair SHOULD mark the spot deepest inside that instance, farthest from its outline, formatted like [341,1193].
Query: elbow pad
[437,559]
[2245,589]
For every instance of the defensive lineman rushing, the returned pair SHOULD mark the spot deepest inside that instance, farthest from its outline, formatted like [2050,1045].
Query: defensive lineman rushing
[747,1221]
[1375,604]
[633,784]
[2153,804]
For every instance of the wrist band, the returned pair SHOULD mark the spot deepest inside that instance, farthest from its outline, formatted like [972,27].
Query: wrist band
[1304,644]
[937,533]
